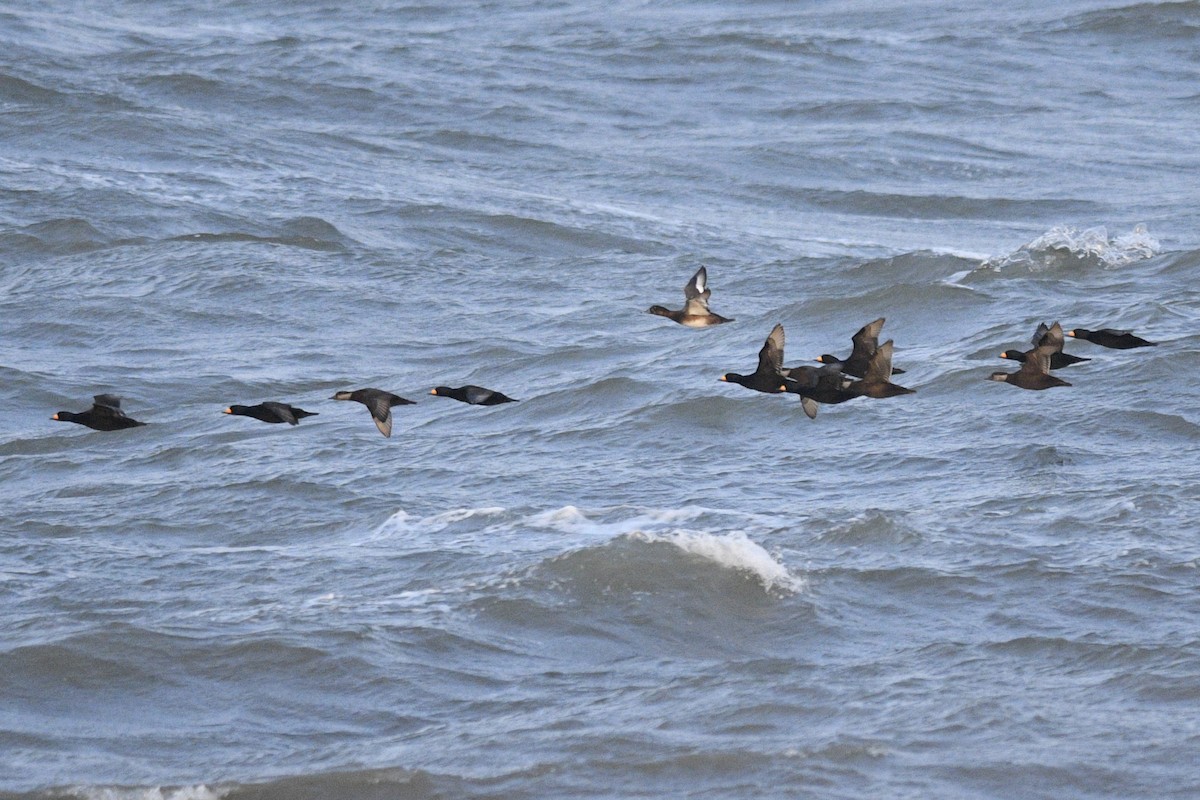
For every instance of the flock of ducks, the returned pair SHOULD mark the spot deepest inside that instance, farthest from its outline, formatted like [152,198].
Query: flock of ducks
[1047,354]
[866,372]
[835,382]
[106,414]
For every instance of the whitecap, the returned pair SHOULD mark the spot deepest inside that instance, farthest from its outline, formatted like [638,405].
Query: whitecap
[198,792]
[572,520]
[956,280]
[1064,243]
[401,521]
[733,551]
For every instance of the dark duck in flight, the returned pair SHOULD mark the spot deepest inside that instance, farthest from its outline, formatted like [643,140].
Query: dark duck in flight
[864,344]
[1034,372]
[877,379]
[104,415]
[768,376]
[272,412]
[474,395]
[379,403]
[815,385]
[1107,337]
[1052,335]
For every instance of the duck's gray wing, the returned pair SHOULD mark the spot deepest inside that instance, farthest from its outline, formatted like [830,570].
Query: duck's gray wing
[108,401]
[867,339]
[698,285]
[382,418]
[770,357]
[1037,360]
[697,293]
[477,394]
[283,411]
[1051,336]
[879,368]
[380,405]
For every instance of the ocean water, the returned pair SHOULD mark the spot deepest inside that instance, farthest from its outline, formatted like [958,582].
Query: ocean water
[637,581]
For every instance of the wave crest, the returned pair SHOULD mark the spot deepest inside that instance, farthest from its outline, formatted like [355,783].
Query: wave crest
[724,543]
[732,551]
[1067,246]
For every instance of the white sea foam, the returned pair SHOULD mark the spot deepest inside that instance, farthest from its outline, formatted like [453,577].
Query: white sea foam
[618,520]
[1092,244]
[401,521]
[956,280]
[732,550]
[572,520]
[199,792]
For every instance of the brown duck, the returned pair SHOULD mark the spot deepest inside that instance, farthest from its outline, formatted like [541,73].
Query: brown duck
[1034,372]
[1052,335]
[876,381]
[379,403]
[695,313]
[864,344]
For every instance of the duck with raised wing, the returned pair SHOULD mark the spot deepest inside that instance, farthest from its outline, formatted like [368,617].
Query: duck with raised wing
[864,344]
[767,377]
[1034,372]
[877,378]
[1053,336]
[695,313]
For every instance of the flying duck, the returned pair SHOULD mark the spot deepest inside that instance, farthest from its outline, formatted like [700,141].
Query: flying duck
[272,412]
[695,313]
[379,403]
[865,343]
[104,415]
[475,395]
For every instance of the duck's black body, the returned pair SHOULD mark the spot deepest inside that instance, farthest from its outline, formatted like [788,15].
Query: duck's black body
[817,385]
[1107,337]
[1057,360]
[768,377]
[475,395]
[272,412]
[104,415]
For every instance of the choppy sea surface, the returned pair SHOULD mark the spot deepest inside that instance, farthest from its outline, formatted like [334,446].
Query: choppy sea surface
[637,581]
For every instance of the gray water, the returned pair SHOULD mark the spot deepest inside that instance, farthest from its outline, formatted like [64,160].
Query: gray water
[637,581]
